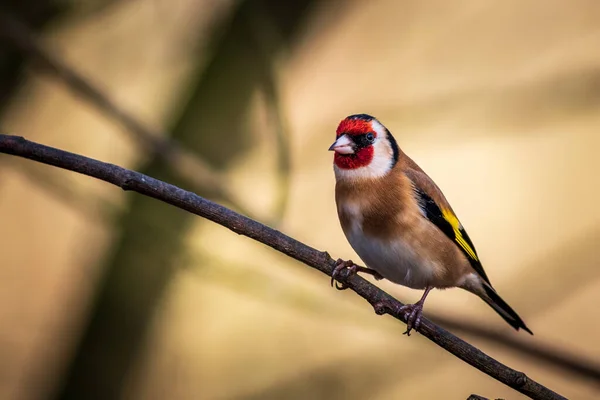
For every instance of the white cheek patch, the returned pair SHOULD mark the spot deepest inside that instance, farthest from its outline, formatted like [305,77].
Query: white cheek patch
[379,165]
[379,129]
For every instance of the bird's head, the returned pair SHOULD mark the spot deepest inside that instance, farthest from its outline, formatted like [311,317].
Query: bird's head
[363,148]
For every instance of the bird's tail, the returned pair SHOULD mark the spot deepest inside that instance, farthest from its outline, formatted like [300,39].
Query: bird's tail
[492,298]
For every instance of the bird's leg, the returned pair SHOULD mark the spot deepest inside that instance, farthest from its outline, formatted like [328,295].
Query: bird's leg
[353,269]
[412,312]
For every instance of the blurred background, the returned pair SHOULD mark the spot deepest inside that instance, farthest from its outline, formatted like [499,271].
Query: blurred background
[106,294]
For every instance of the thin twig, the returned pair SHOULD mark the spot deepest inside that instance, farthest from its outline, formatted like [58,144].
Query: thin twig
[183,162]
[148,186]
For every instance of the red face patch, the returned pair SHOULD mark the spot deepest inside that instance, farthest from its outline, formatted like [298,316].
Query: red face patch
[359,159]
[354,126]
[363,155]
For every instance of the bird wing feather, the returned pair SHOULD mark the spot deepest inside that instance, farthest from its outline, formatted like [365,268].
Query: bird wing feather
[437,210]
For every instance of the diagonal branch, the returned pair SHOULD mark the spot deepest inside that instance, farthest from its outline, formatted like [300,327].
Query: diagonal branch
[180,160]
[148,186]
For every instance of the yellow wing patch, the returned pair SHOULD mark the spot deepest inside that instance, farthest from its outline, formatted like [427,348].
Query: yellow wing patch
[458,236]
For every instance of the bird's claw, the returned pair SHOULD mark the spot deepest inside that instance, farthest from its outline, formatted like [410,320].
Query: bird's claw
[412,313]
[340,265]
[353,269]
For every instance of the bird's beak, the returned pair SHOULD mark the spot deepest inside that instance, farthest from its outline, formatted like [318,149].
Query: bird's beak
[343,145]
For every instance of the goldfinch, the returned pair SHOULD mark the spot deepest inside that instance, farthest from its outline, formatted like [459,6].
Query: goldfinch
[399,222]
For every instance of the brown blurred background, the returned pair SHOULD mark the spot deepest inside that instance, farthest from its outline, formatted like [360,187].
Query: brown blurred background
[105,294]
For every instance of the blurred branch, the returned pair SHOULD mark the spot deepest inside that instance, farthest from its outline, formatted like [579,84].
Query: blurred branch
[184,163]
[550,356]
[145,185]
[268,39]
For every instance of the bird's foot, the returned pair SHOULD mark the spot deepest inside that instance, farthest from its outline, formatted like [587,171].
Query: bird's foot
[340,265]
[412,313]
[353,269]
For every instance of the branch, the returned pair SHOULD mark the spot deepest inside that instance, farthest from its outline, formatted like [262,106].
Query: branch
[145,185]
[180,160]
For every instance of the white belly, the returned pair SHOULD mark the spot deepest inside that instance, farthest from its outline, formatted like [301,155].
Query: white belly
[394,260]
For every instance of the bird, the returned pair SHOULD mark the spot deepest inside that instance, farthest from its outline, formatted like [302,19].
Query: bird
[400,224]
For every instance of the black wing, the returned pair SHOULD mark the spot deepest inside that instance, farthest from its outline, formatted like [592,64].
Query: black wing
[448,223]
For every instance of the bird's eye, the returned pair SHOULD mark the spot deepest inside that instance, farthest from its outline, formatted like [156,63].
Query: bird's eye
[370,137]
